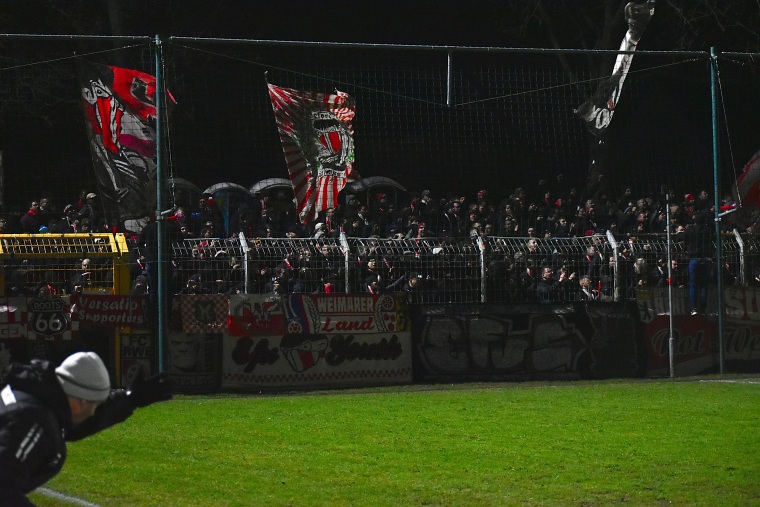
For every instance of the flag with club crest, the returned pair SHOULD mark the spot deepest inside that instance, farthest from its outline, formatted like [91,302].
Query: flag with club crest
[598,110]
[316,131]
[120,114]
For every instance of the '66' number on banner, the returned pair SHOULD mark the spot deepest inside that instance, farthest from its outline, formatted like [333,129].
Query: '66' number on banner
[47,317]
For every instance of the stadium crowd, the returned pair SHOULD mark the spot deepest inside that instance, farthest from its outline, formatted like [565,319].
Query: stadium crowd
[550,211]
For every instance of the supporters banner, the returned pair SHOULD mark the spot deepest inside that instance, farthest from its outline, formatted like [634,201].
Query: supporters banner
[598,110]
[355,314]
[307,361]
[120,113]
[255,314]
[98,310]
[316,131]
[49,318]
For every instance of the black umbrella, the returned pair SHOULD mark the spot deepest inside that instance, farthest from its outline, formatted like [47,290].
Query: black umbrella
[270,184]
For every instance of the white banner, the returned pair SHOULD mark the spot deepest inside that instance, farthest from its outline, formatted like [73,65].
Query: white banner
[303,361]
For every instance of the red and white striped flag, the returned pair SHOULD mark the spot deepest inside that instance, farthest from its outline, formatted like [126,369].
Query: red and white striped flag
[317,138]
[747,189]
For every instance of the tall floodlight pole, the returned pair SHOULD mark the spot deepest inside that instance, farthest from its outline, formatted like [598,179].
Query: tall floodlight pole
[716,191]
[158,99]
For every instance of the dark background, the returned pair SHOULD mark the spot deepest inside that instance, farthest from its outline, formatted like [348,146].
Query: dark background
[511,123]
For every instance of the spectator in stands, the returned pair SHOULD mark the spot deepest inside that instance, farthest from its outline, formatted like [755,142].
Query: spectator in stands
[562,229]
[319,230]
[45,213]
[702,202]
[208,212]
[193,286]
[30,222]
[236,277]
[660,276]
[377,284]
[67,222]
[587,291]
[140,284]
[413,289]
[90,213]
[82,278]
[4,229]
[592,263]
[547,286]
[699,245]
[84,226]
[277,287]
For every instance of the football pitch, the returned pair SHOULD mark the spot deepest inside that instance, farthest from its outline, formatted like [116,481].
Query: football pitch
[623,442]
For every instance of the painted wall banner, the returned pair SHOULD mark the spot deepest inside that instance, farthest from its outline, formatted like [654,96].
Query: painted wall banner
[592,340]
[255,315]
[695,338]
[194,361]
[338,313]
[96,310]
[303,360]
[205,313]
[136,352]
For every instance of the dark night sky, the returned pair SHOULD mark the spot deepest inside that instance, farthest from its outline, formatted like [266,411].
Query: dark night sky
[441,22]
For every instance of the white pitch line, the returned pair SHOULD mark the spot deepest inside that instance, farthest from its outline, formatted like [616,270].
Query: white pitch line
[66,498]
[735,381]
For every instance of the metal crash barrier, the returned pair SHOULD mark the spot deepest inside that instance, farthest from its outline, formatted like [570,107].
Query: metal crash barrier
[67,264]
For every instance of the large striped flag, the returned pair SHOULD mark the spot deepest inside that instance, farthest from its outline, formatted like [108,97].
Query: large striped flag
[598,110]
[120,113]
[747,189]
[317,138]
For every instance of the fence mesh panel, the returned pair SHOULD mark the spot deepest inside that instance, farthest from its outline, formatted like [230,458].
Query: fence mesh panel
[496,119]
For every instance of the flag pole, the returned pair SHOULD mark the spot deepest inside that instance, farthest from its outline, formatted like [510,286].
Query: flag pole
[159,204]
[671,339]
[716,200]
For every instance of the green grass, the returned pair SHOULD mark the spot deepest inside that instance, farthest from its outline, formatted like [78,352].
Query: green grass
[659,442]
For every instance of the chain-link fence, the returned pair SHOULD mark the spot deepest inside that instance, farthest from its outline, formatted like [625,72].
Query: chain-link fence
[438,270]
[451,119]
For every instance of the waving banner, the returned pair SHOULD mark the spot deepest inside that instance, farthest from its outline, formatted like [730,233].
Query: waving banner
[747,189]
[316,132]
[120,112]
[598,110]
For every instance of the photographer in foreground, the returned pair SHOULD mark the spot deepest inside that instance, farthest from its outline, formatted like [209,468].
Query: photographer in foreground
[43,407]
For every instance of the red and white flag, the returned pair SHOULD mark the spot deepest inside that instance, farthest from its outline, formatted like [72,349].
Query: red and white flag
[317,138]
[120,114]
[747,190]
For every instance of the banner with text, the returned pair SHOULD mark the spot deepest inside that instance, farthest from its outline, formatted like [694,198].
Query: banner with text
[324,341]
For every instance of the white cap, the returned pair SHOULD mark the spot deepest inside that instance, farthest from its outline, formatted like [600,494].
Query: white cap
[83,375]
[91,195]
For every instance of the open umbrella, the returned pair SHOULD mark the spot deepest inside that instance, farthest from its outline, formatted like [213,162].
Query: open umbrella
[181,192]
[231,198]
[270,184]
[372,181]
[226,186]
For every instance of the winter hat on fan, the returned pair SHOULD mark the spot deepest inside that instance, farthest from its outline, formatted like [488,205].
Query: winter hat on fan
[83,375]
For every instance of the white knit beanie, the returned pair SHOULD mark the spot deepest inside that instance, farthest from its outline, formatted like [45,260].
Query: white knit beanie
[83,375]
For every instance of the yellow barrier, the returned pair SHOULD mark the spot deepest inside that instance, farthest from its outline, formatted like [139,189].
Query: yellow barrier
[88,263]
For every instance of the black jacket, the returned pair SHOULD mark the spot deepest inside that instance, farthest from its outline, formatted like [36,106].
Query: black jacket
[35,424]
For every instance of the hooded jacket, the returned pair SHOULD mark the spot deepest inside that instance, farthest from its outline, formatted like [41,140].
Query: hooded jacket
[36,423]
